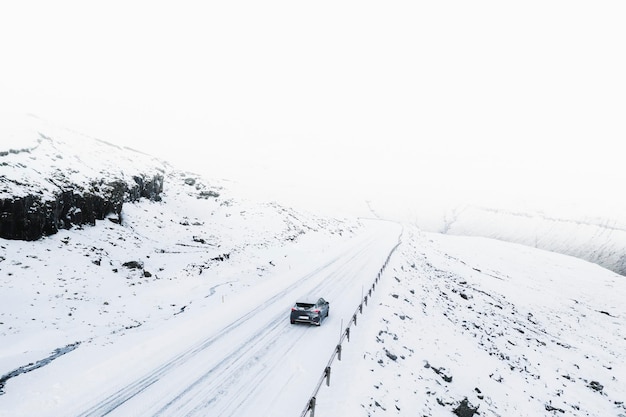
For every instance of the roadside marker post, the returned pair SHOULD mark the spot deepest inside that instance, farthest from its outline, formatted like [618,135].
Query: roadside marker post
[310,406]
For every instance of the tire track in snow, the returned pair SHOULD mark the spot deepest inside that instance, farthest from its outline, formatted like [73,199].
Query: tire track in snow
[201,397]
[123,395]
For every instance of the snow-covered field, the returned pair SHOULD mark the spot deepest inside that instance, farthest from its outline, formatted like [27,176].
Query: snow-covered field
[597,235]
[593,228]
[511,329]
[182,310]
[189,344]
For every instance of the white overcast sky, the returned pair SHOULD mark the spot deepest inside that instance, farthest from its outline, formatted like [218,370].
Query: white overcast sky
[381,99]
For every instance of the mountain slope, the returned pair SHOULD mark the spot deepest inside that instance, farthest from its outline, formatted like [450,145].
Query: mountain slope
[601,240]
[52,178]
[158,256]
[457,325]
[466,325]
[595,234]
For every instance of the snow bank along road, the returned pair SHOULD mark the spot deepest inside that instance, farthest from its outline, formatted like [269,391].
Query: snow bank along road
[238,358]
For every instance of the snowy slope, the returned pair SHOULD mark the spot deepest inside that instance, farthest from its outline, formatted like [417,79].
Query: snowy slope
[200,245]
[596,232]
[73,286]
[599,239]
[181,308]
[467,323]
[41,158]
[457,323]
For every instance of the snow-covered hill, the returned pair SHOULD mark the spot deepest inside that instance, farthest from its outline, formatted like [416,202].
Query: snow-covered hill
[596,233]
[458,325]
[469,325]
[598,239]
[144,264]
[52,178]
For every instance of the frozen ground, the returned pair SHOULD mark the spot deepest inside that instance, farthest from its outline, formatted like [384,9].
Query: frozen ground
[593,229]
[182,310]
[514,330]
[466,323]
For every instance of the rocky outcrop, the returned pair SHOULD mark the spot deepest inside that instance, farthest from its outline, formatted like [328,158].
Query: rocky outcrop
[52,178]
[147,188]
[31,217]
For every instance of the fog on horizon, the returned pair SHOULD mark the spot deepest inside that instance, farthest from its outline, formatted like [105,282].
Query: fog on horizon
[402,104]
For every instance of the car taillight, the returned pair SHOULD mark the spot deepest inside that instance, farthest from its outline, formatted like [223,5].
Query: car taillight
[316,311]
[293,309]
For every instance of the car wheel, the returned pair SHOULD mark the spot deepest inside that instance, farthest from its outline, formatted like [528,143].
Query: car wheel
[292,322]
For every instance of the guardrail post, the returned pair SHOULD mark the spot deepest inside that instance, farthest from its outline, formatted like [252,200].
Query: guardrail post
[310,407]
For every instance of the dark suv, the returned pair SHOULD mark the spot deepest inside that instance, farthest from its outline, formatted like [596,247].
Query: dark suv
[310,312]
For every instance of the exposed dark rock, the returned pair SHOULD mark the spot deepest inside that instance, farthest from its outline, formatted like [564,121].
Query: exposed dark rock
[199,240]
[16,151]
[550,408]
[439,371]
[465,409]
[150,188]
[133,265]
[30,217]
[596,386]
[222,257]
[133,326]
[208,194]
[391,355]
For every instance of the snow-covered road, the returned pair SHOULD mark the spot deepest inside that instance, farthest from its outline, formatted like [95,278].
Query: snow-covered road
[235,358]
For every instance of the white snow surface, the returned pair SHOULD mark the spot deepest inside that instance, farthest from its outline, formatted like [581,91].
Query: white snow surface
[202,328]
[595,238]
[43,159]
[511,329]
[594,232]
